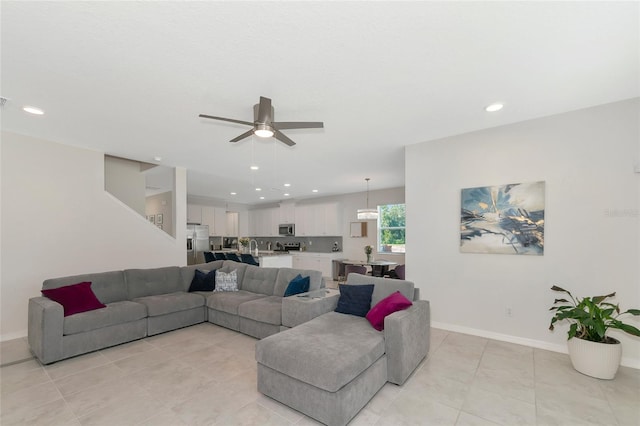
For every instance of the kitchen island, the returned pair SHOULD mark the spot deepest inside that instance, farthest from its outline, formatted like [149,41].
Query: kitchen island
[271,259]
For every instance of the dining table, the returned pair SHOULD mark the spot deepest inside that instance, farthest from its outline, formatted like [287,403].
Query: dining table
[378,267]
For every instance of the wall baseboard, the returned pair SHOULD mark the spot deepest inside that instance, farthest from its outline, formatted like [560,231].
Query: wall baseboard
[13,336]
[538,344]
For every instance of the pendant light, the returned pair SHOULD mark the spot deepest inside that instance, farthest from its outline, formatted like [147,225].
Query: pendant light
[367,214]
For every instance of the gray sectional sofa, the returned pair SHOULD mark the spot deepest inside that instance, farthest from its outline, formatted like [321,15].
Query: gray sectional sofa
[330,367]
[145,302]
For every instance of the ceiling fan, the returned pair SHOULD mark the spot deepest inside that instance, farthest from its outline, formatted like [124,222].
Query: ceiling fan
[264,126]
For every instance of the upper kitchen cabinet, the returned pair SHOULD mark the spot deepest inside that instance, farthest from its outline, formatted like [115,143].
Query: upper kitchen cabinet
[287,213]
[317,220]
[209,219]
[220,215]
[214,217]
[194,213]
[264,222]
[232,224]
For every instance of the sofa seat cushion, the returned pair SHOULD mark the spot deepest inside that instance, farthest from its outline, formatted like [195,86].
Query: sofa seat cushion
[268,310]
[327,352]
[115,313]
[229,301]
[162,304]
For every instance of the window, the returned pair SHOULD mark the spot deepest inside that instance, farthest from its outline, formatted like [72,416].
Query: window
[391,228]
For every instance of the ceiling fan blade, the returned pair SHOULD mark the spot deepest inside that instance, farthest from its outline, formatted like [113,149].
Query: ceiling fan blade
[283,138]
[242,136]
[298,125]
[248,123]
[264,110]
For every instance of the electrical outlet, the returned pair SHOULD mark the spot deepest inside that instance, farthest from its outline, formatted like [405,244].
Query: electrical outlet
[310,242]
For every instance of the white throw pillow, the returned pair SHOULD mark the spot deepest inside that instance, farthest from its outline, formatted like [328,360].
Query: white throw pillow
[226,281]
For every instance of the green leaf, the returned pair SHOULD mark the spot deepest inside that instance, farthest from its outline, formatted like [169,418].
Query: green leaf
[556,288]
[598,299]
[629,329]
[635,312]
[560,300]
[606,313]
[572,330]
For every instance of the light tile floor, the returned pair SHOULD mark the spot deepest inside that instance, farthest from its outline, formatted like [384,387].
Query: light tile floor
[206,375]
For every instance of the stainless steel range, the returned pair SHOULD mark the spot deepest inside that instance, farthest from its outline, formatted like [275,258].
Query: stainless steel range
[291,246]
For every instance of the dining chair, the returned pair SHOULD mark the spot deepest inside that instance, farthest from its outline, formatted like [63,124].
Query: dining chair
[249,259]
[358,269]
[399,272]
[233,256]
[220,255]
[209,257]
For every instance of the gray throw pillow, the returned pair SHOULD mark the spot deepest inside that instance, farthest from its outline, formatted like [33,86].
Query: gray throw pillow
[226,281]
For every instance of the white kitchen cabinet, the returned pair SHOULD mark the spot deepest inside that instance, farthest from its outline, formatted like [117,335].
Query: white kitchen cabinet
[194,213]
[243,224]
[220,214]
[232,219]
[305,220]
[317,220]
[216,219]
[264,222]
[331,222]
[322,262]
[208,218]
[287,213]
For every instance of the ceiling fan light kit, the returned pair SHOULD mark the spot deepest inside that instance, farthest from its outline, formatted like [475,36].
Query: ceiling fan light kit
[263,131]
[263,124]
[367,214]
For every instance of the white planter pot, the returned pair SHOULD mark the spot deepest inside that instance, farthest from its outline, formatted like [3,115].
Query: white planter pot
[599,360]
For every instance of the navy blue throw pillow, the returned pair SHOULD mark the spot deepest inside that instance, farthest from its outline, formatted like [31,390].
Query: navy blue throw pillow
[203,281]
[298,285]
[355,299]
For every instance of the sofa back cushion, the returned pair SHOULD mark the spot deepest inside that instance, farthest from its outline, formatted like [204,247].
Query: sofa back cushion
[383,286]
[187,272]
[230,265]
[285,275]
[108,287]
[259,280]
[151,282]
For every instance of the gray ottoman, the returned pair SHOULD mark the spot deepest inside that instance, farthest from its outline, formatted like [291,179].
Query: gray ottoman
[328,368]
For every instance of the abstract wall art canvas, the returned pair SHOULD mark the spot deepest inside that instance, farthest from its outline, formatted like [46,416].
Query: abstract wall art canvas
[505,219]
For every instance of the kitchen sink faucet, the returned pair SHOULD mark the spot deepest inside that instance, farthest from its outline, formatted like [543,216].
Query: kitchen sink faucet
[253,241]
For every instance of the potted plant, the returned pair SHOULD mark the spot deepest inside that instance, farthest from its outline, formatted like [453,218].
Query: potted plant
[368,250]
[244,242]
[591,351]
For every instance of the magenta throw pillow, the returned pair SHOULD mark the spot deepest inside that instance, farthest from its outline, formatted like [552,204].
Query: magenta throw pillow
[74,298]
[393,303]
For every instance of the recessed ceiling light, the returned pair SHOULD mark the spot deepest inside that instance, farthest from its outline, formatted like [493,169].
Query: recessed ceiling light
[254,167]
[314,190]
[33,110]
[262,198]
[494,107]
[286,195]
[258,189]
[233,193]
[157,158]
[287,184]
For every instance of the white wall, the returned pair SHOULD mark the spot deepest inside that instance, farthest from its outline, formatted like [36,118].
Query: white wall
[124,179]
[57,220]
[161,204]
[592,217]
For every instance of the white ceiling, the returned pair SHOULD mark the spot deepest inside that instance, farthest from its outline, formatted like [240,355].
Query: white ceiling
[130,78]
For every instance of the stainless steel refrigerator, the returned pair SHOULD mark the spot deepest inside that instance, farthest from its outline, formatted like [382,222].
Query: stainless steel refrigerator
[197,243]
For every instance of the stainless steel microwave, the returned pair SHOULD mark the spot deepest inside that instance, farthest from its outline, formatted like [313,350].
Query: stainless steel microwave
[287,229]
